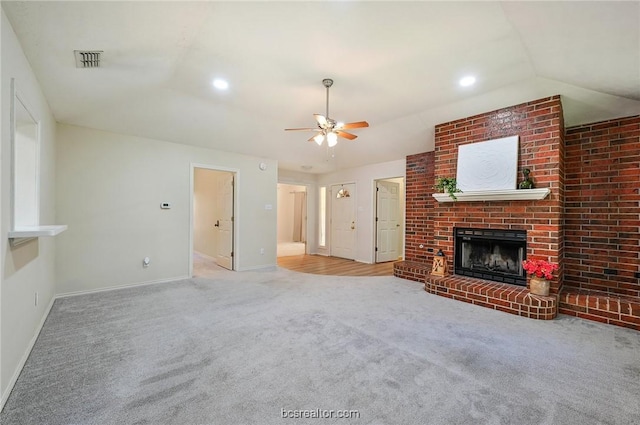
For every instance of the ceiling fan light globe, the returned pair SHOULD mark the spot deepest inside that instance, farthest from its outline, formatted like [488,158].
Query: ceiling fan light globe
[332,139]
[319,138]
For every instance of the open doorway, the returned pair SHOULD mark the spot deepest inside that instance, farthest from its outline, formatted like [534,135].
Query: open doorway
[389,220]
[292,220]
[213,224]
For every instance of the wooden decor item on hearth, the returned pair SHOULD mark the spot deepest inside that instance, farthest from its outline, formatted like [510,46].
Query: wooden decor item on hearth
[439,267]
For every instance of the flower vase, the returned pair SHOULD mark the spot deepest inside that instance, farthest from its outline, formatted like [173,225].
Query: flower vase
[539,286]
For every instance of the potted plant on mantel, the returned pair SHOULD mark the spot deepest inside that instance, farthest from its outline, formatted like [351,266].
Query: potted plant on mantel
[541,273]
[447,185]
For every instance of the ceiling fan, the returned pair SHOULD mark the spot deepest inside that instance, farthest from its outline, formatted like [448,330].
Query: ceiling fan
[329,128]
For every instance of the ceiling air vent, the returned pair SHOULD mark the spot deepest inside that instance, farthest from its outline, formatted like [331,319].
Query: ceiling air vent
[88,58]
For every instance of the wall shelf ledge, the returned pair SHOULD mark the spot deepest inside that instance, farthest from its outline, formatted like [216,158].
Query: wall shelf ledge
[496,195]
[24,234]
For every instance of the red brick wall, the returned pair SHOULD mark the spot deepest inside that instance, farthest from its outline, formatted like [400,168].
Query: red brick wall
[419,207]
[540,126]
[602,200]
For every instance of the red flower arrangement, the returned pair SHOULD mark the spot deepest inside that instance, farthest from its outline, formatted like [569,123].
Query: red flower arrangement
[539,268]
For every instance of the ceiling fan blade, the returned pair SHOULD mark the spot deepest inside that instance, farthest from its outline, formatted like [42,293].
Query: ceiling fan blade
[346,135]
[301,129]
[358,124]
[322,120]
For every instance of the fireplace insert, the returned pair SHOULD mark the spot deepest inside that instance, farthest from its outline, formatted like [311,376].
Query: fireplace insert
[490,254]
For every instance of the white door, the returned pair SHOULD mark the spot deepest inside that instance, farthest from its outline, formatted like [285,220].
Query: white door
[224,224]
[387,221]
[343,220]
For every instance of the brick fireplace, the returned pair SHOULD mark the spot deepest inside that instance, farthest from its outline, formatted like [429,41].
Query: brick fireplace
[589,224]
[540,126]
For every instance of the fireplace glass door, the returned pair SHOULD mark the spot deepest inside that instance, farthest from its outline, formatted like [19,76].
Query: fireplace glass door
[491,254]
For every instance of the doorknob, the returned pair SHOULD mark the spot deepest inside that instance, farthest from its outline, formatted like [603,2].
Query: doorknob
[217,223]
[353,225]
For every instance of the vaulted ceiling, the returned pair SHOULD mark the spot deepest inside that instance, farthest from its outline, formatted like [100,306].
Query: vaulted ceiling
[395,64]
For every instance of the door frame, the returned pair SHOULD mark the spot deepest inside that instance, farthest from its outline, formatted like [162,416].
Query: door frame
[236,221]
[312,213]
[307,227]
[402,209]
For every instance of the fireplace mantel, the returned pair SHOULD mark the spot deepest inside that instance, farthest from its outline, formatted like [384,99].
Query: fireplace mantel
[495,195]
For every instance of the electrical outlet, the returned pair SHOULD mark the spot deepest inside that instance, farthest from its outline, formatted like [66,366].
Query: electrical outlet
[261,251]
[146,261]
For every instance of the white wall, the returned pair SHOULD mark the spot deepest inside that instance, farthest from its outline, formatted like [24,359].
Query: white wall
[364,178]
[205,211]
[109,191]
[29,268]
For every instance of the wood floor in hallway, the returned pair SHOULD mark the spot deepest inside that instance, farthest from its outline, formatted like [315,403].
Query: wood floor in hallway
[334,266]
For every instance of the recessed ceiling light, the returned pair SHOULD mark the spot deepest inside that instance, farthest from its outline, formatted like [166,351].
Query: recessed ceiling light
[467,81]
[220,84]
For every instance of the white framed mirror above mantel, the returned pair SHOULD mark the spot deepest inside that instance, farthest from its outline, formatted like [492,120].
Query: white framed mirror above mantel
[25,174]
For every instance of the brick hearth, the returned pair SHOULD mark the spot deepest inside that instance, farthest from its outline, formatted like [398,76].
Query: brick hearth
[498,296]
[605,307]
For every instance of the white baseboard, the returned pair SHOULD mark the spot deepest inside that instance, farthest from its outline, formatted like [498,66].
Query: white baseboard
[363,261]
[5,396]
[127,285]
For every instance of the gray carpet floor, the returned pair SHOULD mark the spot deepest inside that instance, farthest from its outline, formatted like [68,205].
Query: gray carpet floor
[238,348]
